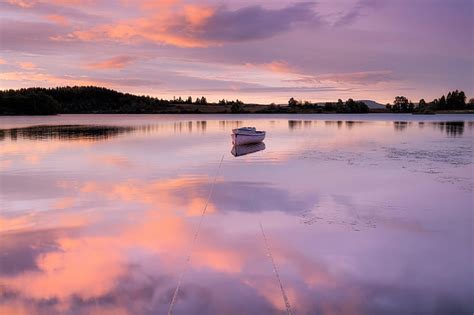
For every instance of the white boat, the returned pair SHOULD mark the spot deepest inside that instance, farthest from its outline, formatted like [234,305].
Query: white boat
[247,135]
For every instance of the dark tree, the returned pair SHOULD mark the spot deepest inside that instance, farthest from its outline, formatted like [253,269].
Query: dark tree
[471,103]
[442,103]
[400,104]
[421,105]
[329,107]
[236,108]
[292,102]
[340,106]
[455,100]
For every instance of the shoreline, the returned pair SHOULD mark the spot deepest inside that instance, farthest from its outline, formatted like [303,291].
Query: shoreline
[466,112]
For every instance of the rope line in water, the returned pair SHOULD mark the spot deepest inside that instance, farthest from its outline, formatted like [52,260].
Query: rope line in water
[275,270]
[196,233]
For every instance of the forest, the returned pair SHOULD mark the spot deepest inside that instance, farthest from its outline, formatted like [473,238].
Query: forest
[99,100]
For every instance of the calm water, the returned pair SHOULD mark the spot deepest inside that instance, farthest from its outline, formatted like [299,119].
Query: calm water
[368,214]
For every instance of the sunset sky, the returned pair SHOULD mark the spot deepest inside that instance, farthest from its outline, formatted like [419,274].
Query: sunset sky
[254,50]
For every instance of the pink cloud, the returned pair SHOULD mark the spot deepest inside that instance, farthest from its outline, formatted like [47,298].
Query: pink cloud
[27,4]
[361,77]
[27,65]
[58,19]
[188,26]
[151,4]
[156,29]
[22,3]
[277,66]
[51,80]
[118,62]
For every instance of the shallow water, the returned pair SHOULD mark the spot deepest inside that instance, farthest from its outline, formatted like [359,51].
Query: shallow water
[363,214]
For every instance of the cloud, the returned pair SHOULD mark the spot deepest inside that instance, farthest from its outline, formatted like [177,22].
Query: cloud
[64,203]
[27,65]
[147,5]
[356,12]
[198,15]
[58,19]
[43,79]
[118,62]
[201,26]
[28,4]
[257,22]
[361,77]
[49,79]
[28,36]
[22,3]
[277,66]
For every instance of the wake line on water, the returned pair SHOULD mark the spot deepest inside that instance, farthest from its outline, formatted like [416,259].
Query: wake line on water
[277,274]
[193,244]
[196,234]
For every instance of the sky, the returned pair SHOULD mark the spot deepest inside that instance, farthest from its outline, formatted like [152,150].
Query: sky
[253,50]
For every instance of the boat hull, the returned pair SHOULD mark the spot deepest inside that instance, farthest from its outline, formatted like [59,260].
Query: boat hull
[240,139]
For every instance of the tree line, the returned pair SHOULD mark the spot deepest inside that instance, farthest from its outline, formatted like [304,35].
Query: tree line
[349,106]
[90,99]
[455,100]
[87,99]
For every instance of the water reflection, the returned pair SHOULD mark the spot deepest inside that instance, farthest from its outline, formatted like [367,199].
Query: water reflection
[64,132]
[401,125]
[97,132]
[104,227]
[338,123]
[452,128]
[351,123]
[294,124]
[239,150]
[298,124]
[103,132]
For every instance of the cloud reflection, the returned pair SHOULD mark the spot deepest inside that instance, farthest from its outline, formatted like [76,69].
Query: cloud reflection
[113,240]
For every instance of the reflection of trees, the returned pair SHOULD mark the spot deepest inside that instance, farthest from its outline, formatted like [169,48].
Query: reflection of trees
[180,125]
[201,125]
[351,123]
[400,125]
[294,124]
[452,128]
[66,132]
[232,124]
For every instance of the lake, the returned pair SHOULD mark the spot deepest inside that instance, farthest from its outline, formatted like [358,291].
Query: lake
[144,214]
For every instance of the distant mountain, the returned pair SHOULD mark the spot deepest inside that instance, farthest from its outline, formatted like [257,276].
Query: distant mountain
[373,104]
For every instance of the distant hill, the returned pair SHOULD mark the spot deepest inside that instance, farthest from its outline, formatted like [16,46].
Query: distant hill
[373,104]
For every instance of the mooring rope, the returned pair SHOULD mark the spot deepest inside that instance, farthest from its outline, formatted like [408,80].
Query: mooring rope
[196,233]
[275,270]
